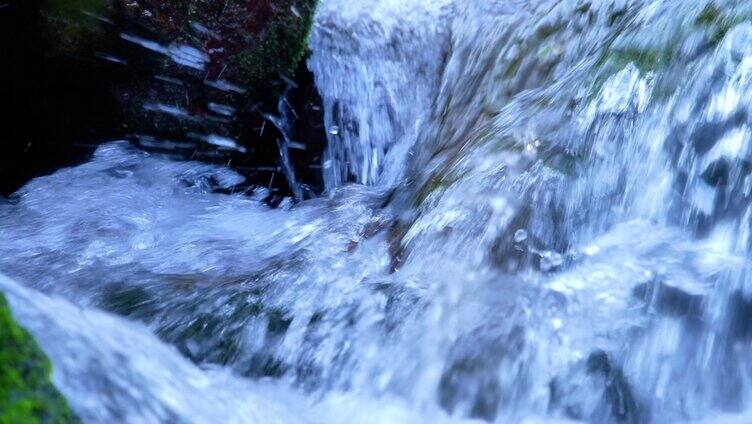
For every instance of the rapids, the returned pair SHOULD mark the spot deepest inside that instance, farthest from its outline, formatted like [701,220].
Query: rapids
[535,211]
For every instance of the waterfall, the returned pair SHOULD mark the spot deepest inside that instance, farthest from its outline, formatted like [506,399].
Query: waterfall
[536,211]
[376,65]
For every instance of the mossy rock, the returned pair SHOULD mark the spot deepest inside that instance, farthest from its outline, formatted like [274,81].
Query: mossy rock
[26,391]
[252,43]
[74,27]
[252,52]
[282,45]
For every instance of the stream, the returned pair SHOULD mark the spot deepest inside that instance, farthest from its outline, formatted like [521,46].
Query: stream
[534,211]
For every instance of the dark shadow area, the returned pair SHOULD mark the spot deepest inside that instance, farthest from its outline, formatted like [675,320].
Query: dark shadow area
[62,103]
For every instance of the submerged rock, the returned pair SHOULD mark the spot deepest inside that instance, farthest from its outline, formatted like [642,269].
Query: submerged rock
[739,310]
[669,300]
[595,390]
[26,392]
[472,384]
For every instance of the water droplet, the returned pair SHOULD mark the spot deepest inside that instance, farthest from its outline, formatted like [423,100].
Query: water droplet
[591,250]
[556,323]
[520,236]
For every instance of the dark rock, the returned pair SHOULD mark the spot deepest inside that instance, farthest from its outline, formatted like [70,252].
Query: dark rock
[258,48]
[739,318]
[670,300]
[508,252]
[595,390]
[84,77]
[717,174]
[470,384]
[75,27]
[707,134]
[57,106]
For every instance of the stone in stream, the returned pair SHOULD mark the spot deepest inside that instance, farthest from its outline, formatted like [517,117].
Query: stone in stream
[595,390]
[717,174]
[670,300]
[739,316]
[471,383]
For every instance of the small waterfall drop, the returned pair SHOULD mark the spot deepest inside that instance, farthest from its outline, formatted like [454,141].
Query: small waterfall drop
[377,66]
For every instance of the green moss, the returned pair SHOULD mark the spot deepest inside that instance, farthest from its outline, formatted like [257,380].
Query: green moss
[281,47]
[514,66]
[440,183]
[26,392]
[717,22]
[709,15]
[74,10]
[645,60]
[544,32]
[546,50]
[70,25]
[434,185]
[262,39]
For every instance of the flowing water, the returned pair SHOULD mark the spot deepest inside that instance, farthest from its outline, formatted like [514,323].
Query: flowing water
[536,211]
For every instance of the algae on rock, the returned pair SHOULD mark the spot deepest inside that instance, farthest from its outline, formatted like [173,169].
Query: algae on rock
[26,392]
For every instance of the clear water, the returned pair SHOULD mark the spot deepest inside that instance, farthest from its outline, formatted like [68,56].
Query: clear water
[551,221]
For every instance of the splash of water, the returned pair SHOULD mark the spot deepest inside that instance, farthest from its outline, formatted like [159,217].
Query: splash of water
[376,66]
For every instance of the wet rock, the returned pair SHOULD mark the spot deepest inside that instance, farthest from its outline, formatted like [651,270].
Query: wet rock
[707,134]
[739,312]
[26,392]
[595,390]
[471,385]
[172,76]
[669,300]
[511,251]
[251,54]
[717,174]
[264,362]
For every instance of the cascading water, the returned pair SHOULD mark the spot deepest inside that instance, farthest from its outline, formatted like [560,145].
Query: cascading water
[377,67]
[554,224]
